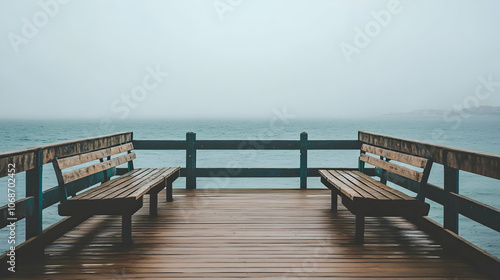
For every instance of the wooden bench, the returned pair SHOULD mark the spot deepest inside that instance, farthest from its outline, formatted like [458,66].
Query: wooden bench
[119,196]
[364,196]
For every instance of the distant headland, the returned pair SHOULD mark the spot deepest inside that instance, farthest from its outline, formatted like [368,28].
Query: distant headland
[481,111]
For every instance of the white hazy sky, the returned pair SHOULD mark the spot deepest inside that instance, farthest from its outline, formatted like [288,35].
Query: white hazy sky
[91,58]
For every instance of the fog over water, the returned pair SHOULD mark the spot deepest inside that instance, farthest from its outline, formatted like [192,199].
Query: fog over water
[243,59]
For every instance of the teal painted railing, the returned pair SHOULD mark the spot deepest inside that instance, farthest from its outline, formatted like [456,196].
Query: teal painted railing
[191,146]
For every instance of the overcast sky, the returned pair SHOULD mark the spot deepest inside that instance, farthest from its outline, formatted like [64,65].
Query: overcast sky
[244,58]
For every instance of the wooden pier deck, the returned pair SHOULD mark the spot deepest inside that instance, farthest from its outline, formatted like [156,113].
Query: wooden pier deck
[253,234]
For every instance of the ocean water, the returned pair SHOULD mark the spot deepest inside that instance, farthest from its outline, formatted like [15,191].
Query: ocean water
[481,134]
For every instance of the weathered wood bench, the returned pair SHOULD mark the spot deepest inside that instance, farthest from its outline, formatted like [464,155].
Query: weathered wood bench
[364,196]
[119,196]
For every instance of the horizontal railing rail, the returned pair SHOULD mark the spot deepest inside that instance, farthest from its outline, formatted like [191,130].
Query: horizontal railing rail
[246,145]
[256,172]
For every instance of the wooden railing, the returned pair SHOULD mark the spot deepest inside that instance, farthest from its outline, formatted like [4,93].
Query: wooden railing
[32,160]
[453,159]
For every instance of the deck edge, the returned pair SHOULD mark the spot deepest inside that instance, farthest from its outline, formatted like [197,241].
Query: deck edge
[459,246]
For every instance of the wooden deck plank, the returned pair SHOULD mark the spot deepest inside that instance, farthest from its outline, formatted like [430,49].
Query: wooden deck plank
[252,234]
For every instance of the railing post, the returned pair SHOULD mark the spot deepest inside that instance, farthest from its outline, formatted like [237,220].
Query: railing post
[34,188]
[451,185]
[130,163]
[191,160]
[303,160]
[361,166]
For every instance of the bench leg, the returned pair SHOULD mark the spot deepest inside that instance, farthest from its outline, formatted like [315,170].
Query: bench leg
[334,201]
[170,196]
[153,204]
[359,234]
[127,229]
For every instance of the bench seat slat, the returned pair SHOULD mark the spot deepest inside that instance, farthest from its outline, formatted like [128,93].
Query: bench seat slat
[111,189]
[123,180]
[99,188]
[137,183]
[96,168]
[165,173]
[87,157]
[332,179]
[388,190]
[405,158]
[114,189]
[153,178]
[406,206]
[358,188]
[370,186]
[133,185]
[394,168]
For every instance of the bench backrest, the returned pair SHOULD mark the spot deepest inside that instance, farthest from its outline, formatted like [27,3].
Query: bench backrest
[106,163]
[386,159]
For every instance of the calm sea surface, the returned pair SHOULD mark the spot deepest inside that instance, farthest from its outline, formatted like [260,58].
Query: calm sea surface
[481,134]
